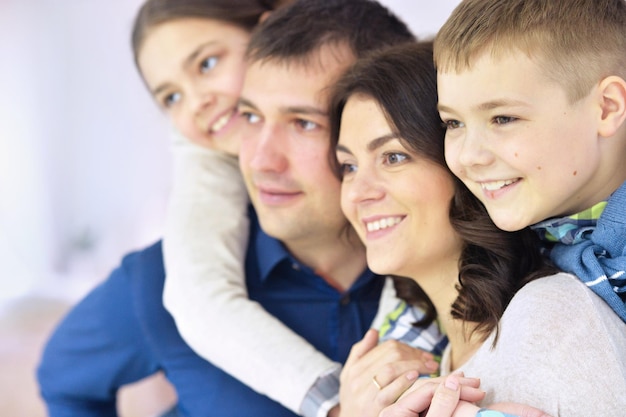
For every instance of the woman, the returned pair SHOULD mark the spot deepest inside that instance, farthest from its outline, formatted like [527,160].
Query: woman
[419,221]
[191,55]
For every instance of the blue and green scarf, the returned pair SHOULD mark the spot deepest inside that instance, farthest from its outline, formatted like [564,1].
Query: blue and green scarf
[592,246]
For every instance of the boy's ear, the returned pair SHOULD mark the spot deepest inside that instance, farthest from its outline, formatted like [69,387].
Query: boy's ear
[613,105]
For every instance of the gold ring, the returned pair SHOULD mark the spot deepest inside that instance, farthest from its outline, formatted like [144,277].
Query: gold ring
[376,383]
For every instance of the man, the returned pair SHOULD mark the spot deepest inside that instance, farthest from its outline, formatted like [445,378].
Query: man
[304,267]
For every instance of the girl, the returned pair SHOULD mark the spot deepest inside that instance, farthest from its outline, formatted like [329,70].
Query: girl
[190,54]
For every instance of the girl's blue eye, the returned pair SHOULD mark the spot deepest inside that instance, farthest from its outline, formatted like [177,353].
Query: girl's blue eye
[208,64]
[171,99]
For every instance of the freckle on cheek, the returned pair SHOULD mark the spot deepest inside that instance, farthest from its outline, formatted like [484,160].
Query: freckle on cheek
[539,168]
[574,173]
[516,154]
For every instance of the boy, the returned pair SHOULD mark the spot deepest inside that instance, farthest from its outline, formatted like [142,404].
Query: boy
[534,102]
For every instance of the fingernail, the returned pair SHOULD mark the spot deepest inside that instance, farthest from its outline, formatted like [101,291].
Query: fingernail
[452,383]
[412,375]
[432,365]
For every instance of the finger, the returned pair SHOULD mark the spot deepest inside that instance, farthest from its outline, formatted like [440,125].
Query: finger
[392,391]
[446,397]
[360,348]
[412,403]
[520,410]
[389,372]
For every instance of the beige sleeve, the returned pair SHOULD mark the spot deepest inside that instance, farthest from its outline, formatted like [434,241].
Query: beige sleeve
[204,247]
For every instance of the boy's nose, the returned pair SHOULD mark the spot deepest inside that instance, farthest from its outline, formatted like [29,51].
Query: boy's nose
[472,150]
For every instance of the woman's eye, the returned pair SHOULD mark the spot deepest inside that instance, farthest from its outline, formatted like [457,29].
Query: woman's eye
[208,64]
[171,99]
[502,120]
[452,124]
[393,158]
[346,168]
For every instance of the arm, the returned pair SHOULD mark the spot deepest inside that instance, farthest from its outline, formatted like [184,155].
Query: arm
[204,249]
[97,348]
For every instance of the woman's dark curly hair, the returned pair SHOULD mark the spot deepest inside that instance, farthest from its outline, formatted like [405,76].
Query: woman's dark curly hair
[494,264]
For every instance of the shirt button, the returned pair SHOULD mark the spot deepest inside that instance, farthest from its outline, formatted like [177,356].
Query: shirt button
[295,266]
[345,300]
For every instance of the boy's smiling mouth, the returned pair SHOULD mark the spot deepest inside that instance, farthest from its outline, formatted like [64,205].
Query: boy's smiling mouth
[496,185]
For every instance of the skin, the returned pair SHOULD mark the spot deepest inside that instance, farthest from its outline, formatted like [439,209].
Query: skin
[284,161]
[380,179]
[398,202]
[194,68]
[519,144]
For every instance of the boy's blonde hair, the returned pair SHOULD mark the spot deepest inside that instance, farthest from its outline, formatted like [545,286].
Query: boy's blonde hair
[576,42]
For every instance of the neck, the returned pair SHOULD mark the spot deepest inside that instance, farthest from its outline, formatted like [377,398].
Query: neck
[439,283]
[339,260]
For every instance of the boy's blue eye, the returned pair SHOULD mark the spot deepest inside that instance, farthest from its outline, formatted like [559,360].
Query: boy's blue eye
[208,64]
[502,120]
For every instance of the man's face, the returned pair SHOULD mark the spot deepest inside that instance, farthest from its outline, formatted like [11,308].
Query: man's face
[284,152]
[517,142]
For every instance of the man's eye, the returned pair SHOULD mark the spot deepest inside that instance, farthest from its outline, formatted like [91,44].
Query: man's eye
[171,99]
[208,64]
[452,124]
[251,118]
[306,124]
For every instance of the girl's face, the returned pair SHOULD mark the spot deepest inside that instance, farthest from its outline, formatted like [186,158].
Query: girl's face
[397,200]
[194,68]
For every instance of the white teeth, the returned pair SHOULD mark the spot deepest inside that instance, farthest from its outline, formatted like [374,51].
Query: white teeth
[382,223]
[220,123]
[495,185]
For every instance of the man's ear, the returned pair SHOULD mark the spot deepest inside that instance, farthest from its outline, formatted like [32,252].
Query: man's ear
[612,91]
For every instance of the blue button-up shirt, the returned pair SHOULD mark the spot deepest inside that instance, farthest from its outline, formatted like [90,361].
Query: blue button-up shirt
[121,333]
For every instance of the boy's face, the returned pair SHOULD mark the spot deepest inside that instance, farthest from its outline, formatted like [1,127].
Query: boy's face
[285,147]
[517,142]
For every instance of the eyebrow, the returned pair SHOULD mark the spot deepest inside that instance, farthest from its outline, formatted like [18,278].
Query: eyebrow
[372,145]
[191,58]
[488,105]
[287,110]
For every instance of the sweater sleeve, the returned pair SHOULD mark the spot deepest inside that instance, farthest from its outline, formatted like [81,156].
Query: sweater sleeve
[204,248]
[97,348]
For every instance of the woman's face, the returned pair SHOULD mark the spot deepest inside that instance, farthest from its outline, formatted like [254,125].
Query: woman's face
[194,68]
[397,200]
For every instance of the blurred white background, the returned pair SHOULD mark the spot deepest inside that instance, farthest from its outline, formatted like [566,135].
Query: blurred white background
[84,162]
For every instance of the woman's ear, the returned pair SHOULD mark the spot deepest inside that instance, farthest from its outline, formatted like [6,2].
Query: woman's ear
[613,105]
[264,16]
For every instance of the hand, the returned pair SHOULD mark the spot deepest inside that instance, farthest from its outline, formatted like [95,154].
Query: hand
[519,410]
[452,396]
[393,365]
